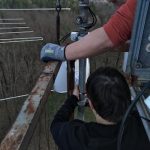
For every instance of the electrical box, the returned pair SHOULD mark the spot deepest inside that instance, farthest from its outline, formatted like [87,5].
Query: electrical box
[138,60]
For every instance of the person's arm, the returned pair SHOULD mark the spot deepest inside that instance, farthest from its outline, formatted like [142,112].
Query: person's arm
[60,123]
[62,117]
[63,114]
[119,26]
[113,33]
[94,43]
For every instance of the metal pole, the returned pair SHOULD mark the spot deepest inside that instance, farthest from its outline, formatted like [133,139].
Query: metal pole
[82,21]
[58,10]
[34,9]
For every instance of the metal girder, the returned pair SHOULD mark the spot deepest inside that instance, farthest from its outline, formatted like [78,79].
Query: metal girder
[19,136]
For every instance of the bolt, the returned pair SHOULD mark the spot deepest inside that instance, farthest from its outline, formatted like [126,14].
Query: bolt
[148,48]
[138,65]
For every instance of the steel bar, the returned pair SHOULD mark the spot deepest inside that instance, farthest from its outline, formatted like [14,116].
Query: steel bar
[18,40]
[10,28]
[8,23]
[21,41]
[34,9]
[18,32]
[15,97]
[18,138]
[82,80]
[11,19]
[70,77]
[84,14]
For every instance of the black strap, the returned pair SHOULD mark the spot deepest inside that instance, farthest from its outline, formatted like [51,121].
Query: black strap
[58,9]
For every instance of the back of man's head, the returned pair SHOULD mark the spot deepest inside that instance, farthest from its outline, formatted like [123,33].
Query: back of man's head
[109,93]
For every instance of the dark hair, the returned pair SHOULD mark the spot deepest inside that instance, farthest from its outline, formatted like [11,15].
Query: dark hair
[109,93]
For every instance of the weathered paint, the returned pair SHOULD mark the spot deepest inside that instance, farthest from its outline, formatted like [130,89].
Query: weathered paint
[22,130]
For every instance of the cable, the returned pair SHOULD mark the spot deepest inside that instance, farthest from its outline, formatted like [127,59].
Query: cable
[10,98]
[93,16]
[145,118]
[123,123]
[65,37]
[94,19]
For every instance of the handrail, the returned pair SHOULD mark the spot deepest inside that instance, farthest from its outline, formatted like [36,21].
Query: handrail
[32,9]
[23,128]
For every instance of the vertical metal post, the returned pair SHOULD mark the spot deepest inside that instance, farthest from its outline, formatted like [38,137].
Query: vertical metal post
[70,77]
[58,9]
[81,103]
[82,21]
[70,81]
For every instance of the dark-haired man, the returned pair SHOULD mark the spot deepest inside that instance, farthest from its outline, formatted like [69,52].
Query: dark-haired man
[109,96]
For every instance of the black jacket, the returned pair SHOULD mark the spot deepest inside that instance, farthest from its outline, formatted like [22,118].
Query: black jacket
[79,135]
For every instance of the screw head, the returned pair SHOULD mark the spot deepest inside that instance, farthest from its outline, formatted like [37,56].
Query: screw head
[79,20]
[148,48]
[138,65]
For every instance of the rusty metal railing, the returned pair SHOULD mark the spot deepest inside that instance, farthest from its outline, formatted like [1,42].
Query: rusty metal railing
[19,136]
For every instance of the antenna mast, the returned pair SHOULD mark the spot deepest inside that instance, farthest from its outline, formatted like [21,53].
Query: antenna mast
[83,23]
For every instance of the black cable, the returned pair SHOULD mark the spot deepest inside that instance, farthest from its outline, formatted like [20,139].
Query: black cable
[65,37]
[58,9]
[94,19]
[123,123]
